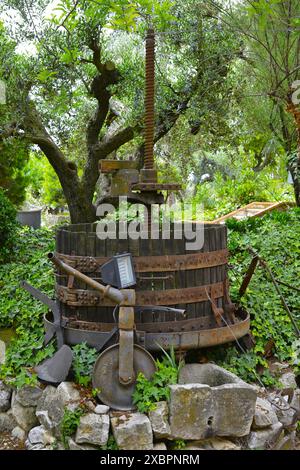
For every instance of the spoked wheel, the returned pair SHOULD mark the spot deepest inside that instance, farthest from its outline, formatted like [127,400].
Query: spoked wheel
[106,376]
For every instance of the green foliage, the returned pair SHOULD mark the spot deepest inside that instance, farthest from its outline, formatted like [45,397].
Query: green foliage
[8,226]
[111,444]
[84,359]
[275,237]
[20,310]
[25,350]
[69,424]
[296,355]
[148,392]
[43,183]
[179,444]
[236,182]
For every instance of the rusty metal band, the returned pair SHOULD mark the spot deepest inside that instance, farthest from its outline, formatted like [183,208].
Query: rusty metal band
[155,327]
[90,298]
[184,340]
[144,264]
[149,99]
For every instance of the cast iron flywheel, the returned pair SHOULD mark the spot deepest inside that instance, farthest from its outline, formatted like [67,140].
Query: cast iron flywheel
[106,376]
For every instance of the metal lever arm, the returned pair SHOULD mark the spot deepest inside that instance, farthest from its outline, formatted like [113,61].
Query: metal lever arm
[52,305]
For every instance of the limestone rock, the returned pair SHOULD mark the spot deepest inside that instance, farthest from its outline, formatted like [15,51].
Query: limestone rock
[215,443]
[68,393]
[74,446]
[286,442]
[19,433]
[2,352]
[101,409]
[90,406]
[288,380]
[30,446]
[40,435]
[132,431]
[285,412]
[208,374]
[295,403]
[24,415]
[234,409]
[50,410]
[190,411]
[264,415]
[28,396]
[160,446]
[5,396]
[226,410]
[93,429]
[7,422]
[159,420]
[265,438]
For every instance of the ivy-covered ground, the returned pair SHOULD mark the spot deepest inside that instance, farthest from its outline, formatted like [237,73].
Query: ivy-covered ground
[275,237]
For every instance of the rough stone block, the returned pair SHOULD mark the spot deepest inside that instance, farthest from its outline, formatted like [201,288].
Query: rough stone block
[68,393]
[210,401]
[28,396]
[93,429]
[50,410]
[5,396]
[234,409]
[7,422]
[160,446]
[215,443]
[264,415]
[288,380]
[24,415]
[265,438]
[19,433]
[132,431]
[40,435]
[190,411]
[159,420]
[101,409]
[74,446]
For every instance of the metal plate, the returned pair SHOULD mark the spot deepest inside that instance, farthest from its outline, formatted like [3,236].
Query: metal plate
[106,376]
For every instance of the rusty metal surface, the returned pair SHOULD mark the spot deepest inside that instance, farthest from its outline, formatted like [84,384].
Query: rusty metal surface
[106,376]
[144,264]
[192,339]
[192,324]
[149,100]
[115,295]
[126,341]
[90,298]
[248,276]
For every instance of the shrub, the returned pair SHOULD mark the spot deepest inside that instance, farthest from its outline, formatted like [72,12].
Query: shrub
[84,359]
[8,226]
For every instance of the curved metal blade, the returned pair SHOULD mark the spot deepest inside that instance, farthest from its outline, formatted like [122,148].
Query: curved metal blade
[56,369]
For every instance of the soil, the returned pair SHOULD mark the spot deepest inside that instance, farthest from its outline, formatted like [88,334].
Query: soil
[7,442]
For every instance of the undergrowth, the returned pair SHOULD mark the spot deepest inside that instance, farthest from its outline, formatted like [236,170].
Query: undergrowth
[69,424]
[148,392]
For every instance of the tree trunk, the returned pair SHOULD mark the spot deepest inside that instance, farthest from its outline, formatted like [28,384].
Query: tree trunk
[80,201]
[295,165]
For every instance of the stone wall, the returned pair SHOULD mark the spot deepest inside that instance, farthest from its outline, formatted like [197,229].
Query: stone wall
[209,408]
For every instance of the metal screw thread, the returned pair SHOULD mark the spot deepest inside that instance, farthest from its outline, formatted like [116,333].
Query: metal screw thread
[149,100]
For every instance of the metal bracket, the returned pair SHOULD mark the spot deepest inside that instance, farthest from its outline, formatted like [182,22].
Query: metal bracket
[218,312]
[126,342]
